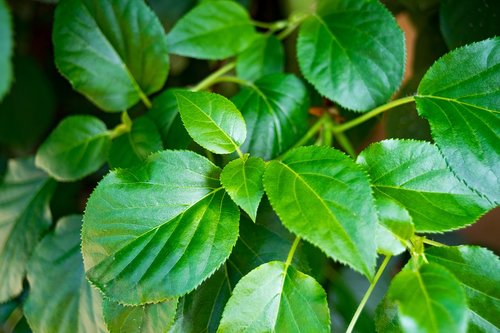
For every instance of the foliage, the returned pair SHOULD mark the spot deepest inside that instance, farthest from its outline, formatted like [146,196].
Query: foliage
[230,204]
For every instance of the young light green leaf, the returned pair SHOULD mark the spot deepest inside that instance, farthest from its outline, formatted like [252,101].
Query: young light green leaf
[353,52]
[459,96]
[264,56]
[58,288]
[478,270]
[25,193]
[113,52]
[275,110]
[275,297]
[212,121]
[132,148]
[395,226]
[157,231]
[429,300]
[147,318]
[77,147]
[328,203]
[6,49]
[242,179]
[414,174]
[212,30]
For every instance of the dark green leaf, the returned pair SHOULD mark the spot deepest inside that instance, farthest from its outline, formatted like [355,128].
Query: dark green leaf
[459,96]
[328,202]
[148,318]
[242,179]
[24,217]
[77,147]
[429,299]
[113,52]
[478,270]
[132,148]
[58,288]
[157,231]
[467,21]
[212,121]
[386,317]
[264,56]
[275,110]
[6,49]
[414,174]
[212,30]
[352,52]
[275,297]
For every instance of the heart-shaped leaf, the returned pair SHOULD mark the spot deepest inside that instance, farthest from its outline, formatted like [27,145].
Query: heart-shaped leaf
[6,48]
[264,56]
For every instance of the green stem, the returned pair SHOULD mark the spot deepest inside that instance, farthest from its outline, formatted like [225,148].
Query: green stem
[373,113]
[433,243]
[272,26]
[145,100]
[124,127]
[367,294]
[212,78]
[313,130]
[344,143]
[13,320]
[292,251]
[233,79]
[240,154]
[293,23]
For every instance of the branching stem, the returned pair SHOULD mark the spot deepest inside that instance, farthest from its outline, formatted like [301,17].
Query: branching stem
[212,78]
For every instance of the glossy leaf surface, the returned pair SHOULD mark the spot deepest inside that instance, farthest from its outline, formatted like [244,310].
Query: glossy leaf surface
[275,297]
[159,230]
[275,111]
[242,179]
[459,96]
[212,121]
[264,56]
[478,270]
[6,48]
[58,287]
[113,52]
[77,147]
[212,30]
[352,52]
[414,174]
[328,203]
[25,193]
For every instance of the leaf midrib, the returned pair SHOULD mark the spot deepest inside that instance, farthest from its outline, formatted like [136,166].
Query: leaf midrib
[454,100]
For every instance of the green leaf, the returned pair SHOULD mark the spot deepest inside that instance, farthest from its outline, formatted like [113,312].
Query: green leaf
[132,148]
[460,99]
[212,30]
[429,299]
[242,179]
[395,226]
[386,317]
[328,202]
[201,310]
[478,270]
[77,147]
[414,174]
[275,110]
[275,297]
[353,52]
[466,21]
[159,230]
[113,52]
[58,288]
[148,318]
[264,56]
[6,49]
[212,121]
[24,216]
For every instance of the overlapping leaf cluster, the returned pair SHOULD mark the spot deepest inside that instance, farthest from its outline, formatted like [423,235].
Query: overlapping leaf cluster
[165,246]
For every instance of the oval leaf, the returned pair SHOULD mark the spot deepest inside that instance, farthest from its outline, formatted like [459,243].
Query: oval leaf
[58,288]
[212,30]
[328,203]
[264,56]
[113,52]
[212,121]
[429,300]
[77,147]
[353,52]
[478,270]
[242,179]
[275,110]
[157,231]
[24,216]
[275,297]
[414,174]
[459,96]
[6,49]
